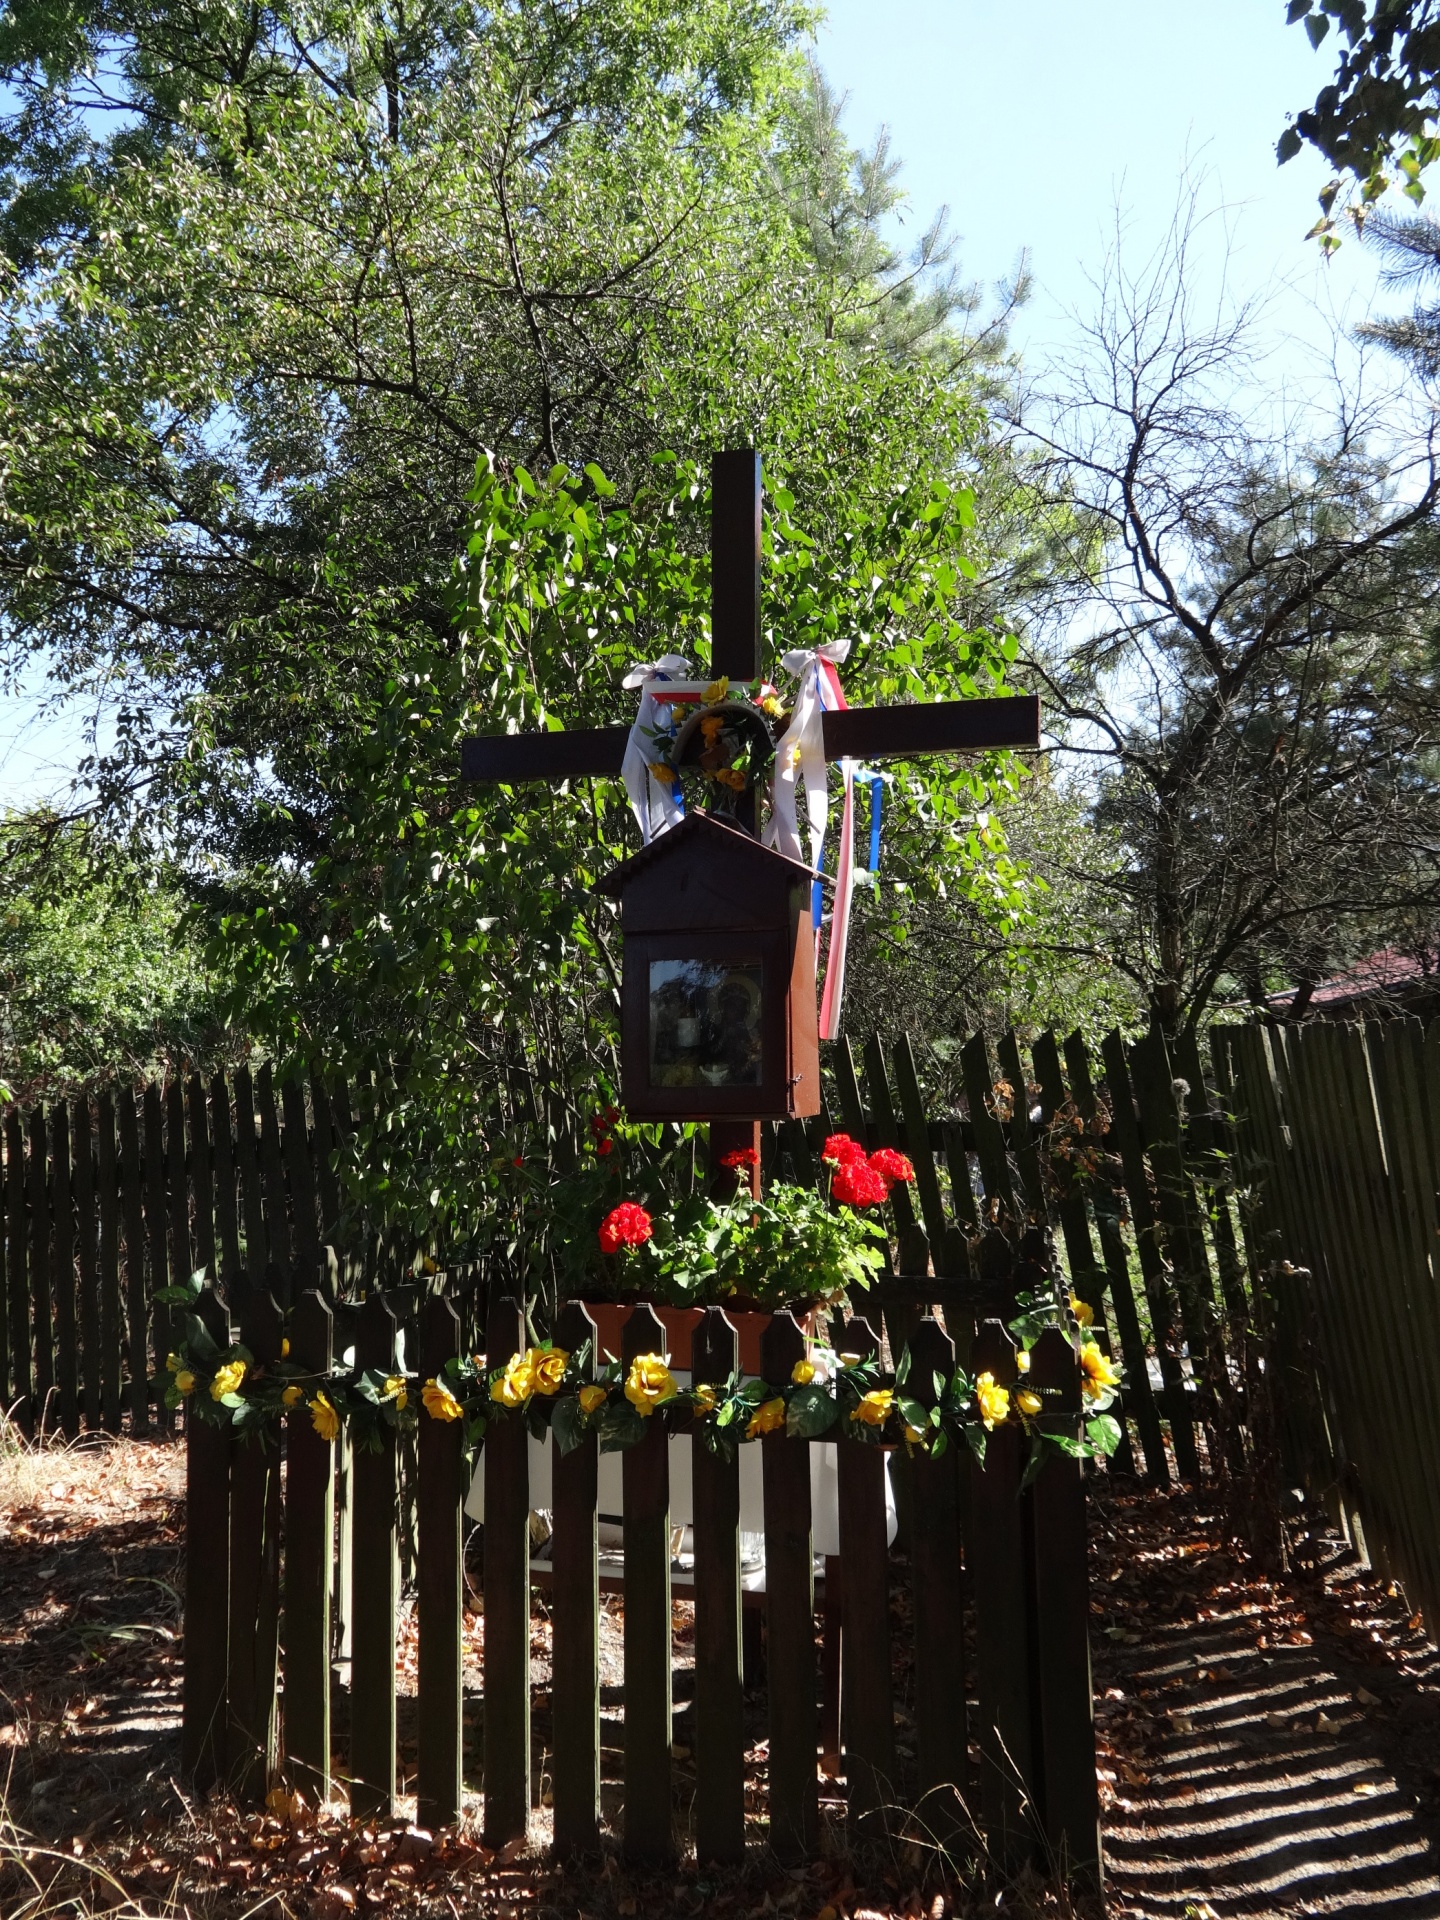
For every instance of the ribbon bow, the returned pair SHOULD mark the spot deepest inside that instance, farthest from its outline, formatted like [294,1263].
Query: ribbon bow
[656,803]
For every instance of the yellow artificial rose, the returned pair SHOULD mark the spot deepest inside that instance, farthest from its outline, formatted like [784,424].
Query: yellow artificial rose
[439,1402]
[874,1409]
[659,771]
[292,1395]
[768,1418]
[324,1418]
[1028,1402]
[284,1349]
[185,1381]
[515,1386]
[650,1383]
[704,1396]
[592,1399]
[172,1363]
[227,1379]
[916,1436]
[1097,1375]
[548,1369]
[802,1373]
[395,1390]
[772,705]
[711,725]
[1083,1313]
[993,1401]
[1022,1360]
[716,690]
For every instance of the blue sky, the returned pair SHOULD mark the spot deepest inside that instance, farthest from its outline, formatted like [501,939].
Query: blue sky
[1031,121]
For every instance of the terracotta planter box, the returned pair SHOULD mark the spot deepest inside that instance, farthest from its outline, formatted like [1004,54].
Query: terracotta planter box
[679,1324]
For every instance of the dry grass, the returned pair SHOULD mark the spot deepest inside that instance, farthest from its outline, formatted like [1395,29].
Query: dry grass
[101,1473]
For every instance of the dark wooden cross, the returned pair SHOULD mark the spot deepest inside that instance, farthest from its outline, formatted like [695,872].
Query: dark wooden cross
[853,733]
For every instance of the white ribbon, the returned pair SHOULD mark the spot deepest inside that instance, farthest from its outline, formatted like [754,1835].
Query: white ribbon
[800,757]
[655,804]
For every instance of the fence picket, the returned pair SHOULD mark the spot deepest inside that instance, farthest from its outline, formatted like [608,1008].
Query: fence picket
[649,1826]
[507,1602]
[441,1445]
[917,1142]
[789,1616]
[719,1699]
[980,1081]
[257,1251]
[223,1160]
[300,1169]
[40,1296]
[1056,1515]
[272,1175]
[21,1385]
[112,1309]
[82,1155]
[156,1225]
[62,1270]
[374,1589]
[204,1704]
[309,1534]
[1025,1145]
[940,1730]
[997,1562]
[254,1612]
[202,1177]
[1125,1130]
[867,1714]
[575,1684]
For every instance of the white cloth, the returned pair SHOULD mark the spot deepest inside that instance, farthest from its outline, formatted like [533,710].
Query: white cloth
[800,757]
[655,804]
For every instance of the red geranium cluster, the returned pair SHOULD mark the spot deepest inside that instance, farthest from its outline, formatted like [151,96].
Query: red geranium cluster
[740,1157]
[861,1179]
[627,1225]
[600,1126]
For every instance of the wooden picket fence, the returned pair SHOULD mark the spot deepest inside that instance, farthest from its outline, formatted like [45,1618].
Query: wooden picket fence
[1338,1140]
[1025,1554]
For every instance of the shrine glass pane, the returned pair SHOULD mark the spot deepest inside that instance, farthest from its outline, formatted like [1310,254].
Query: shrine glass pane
[705,1024]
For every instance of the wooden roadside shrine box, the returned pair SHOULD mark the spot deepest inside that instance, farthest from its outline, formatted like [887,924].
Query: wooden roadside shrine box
[718,1018]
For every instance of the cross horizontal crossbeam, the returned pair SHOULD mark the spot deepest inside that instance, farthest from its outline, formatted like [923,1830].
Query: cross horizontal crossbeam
[854,733]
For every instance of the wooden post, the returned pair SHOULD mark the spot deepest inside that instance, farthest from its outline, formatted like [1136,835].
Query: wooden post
[309,1531]
[207,1578]
[250,1740]
[789,1615]
[940,1732]
[301,1170]
[441,1449]
[1056,1513]
[177,1197]
[997,1561]
[227,1232]
[575,1600]
[374,1583]
[202,1179]
[719,1698]
[507,1601]
[247,1169]
[867,1713]
[649,1834]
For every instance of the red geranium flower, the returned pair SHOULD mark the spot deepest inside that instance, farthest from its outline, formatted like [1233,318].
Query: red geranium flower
[839,1149]
[740,1157]
[627,1225]
[602,1147]
[858,1184]
[892,1166]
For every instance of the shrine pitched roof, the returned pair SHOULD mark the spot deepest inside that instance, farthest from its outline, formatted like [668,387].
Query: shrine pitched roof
[697,829]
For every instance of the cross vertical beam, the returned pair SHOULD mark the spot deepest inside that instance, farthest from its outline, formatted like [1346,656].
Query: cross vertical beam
[735,564]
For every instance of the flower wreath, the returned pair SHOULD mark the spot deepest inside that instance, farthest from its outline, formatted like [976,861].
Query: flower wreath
[560,1393]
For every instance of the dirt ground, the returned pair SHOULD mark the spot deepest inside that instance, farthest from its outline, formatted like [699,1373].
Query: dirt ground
[1266,1747]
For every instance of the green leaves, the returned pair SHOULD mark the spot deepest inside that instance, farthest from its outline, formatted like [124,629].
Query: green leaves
[811,1411]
